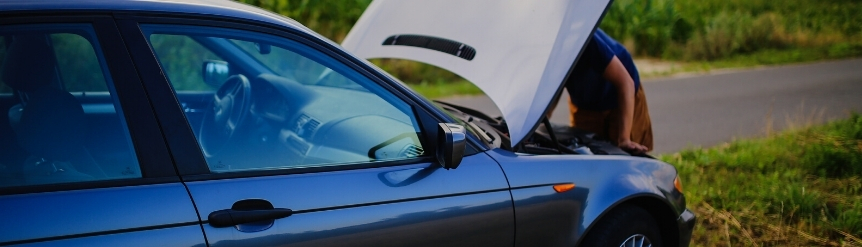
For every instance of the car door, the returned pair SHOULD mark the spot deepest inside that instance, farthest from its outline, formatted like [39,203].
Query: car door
[82,161]
[316,149]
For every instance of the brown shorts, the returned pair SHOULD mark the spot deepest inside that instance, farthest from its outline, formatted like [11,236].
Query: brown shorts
[602,122]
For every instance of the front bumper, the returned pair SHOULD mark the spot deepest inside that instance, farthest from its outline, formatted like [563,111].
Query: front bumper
[686,222]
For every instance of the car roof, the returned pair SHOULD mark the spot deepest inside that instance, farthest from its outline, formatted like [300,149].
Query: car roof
[218,8]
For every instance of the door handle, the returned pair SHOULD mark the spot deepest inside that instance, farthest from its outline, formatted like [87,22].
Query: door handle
[232,217]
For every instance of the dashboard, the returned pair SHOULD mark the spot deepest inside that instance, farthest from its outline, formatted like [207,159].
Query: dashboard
[295,125]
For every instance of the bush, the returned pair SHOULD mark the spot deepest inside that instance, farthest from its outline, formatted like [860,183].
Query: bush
[719,29]
[734,33]
[649,23]
[332,19]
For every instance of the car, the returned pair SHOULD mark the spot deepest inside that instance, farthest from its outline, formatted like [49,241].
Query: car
[215,123]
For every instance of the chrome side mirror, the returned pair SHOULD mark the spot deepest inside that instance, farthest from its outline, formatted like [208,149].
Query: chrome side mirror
[451,141]
[215,72]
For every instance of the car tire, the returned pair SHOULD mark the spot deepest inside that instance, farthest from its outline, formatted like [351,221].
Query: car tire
[625,226]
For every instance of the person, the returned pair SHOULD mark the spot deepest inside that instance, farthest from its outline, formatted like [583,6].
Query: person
[607,97]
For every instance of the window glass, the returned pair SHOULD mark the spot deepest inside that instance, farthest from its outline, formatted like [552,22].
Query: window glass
[280,104]
[287,63]
[76,60]
[182,57]
[64,123]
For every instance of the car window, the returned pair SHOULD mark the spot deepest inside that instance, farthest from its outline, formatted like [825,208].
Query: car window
[77,64]
[290,64]
[55,131]
[282,104]
[181,57]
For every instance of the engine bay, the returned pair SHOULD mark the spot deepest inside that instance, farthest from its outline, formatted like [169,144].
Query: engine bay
[548,138]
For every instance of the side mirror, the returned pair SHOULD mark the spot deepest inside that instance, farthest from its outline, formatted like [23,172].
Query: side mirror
[451,141]
[215,72]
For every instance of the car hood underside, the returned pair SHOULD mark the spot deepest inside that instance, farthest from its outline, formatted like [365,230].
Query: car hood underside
[517,52]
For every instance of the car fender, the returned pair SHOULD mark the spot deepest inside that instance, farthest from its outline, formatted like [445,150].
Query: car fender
[553,218]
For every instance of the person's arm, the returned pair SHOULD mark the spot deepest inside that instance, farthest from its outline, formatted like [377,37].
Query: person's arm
[617,74]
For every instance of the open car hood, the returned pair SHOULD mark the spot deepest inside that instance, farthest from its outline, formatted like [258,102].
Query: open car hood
[518,52]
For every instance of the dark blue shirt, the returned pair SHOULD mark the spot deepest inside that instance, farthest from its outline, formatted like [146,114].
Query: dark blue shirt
[589,91]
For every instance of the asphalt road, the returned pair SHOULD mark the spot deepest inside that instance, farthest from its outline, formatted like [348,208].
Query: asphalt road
[707,110]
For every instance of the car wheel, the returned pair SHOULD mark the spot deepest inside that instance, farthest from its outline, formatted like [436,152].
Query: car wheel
[625,226]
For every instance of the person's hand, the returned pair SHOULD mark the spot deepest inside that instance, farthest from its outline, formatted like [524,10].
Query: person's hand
[632,147]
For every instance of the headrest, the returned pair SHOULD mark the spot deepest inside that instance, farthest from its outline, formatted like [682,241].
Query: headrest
[52,125]
[29,63]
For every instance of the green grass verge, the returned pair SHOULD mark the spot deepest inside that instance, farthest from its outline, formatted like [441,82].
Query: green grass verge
[797,188]
[768,57]
[440,89]
[788,56]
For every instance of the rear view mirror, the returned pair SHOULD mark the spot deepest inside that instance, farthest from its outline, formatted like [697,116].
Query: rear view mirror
[263,49]
[451,141]
[215,72]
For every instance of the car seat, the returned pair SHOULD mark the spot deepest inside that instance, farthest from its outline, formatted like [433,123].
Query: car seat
[49,123]
[29,65]
[53,130]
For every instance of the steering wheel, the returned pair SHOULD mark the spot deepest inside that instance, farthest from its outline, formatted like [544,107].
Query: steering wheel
[230,107]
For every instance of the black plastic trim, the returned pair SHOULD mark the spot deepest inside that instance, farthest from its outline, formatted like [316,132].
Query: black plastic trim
[149,144]
[183,146]
[86,185]
[92,234]
[448,46]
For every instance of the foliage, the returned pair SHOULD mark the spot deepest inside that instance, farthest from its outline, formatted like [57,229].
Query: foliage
[413,72]
[182,58]
[716,29]
[77,63]
[649,24]
[441,89]
[800,187]
[332,19]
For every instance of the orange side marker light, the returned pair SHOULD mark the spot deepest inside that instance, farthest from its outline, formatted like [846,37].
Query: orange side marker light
[677,184]
[560,188]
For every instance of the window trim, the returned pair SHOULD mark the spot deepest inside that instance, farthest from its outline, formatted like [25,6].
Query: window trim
[153,158]
[194,167]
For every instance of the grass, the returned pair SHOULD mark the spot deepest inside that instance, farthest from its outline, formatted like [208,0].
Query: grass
[440,89]
[797,188]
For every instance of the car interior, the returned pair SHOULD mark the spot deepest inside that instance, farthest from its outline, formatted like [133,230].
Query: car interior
[51,135]
[273,103]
